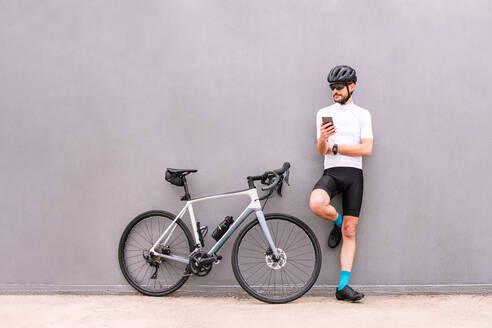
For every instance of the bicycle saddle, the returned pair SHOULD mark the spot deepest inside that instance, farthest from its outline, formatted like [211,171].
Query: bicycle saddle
[181,171]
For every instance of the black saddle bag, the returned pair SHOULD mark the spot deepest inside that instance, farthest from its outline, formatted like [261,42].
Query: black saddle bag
[174,179]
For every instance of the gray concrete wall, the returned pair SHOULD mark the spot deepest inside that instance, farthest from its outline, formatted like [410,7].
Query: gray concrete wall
[97,98]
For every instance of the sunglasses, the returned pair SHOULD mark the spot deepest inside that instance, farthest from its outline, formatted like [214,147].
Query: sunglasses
[338,86]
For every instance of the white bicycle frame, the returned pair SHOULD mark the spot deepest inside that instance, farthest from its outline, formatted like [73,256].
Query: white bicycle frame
[253,206]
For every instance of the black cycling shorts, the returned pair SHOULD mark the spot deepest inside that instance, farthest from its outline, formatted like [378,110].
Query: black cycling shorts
[346,180]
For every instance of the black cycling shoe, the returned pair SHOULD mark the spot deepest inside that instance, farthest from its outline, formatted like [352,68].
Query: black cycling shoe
[348,294]
[334,237]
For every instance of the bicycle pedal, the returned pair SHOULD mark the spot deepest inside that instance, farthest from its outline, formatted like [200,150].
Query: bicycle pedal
[217,259]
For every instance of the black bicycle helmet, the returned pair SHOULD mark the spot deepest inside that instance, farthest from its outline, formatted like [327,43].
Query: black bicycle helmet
[342,73]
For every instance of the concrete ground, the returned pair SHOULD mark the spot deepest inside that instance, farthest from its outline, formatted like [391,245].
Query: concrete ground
[141,311]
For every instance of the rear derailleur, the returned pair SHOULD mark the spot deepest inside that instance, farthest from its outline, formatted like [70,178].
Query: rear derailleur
[154,260]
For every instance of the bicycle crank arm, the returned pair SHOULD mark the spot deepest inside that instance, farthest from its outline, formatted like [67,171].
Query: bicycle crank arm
[209,260]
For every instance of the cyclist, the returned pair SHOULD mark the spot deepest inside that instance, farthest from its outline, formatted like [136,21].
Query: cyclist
[342,144]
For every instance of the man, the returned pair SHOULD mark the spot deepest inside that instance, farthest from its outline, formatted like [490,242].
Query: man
[342,144]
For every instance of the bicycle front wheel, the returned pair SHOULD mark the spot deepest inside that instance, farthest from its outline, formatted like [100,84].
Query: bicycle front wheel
[152,275]
[277,280]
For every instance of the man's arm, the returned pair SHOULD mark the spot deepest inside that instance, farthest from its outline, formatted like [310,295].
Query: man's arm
[326,131]
[362,149]
[322,146]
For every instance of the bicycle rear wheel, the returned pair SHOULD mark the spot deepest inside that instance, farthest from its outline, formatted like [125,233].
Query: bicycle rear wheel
[282,280]
[152,275]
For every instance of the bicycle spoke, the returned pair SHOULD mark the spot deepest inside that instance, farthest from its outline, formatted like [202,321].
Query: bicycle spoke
[252,250]
[148,231]
[250,276]
[132,256]
[300,263]
[141,236]
[139,243]
[259,244]
[292,228]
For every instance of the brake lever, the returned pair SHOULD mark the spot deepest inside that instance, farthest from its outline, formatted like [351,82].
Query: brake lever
[281,182]
[273,182]
[286,178]
[279,186]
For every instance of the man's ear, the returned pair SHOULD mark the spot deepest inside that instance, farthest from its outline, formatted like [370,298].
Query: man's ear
[351,87]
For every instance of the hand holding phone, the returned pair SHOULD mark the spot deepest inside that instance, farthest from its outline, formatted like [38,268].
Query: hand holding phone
[327,128]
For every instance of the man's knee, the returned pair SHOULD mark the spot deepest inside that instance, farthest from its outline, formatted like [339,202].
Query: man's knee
[349,227]
[315,204]
[319,199]
[349,231]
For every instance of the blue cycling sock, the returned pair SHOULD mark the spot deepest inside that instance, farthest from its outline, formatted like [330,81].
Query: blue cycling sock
[344,279]
[339,220]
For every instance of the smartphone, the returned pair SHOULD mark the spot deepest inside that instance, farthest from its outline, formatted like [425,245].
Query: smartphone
[327,120]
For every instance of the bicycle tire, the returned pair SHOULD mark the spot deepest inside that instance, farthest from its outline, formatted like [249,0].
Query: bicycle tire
[143,241]
[252,236]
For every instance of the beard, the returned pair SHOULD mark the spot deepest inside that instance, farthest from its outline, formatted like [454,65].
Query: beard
[341,99]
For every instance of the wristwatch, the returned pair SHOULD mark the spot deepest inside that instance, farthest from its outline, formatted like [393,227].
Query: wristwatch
[334,149]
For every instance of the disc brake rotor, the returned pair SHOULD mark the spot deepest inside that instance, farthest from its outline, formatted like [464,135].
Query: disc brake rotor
[280,263]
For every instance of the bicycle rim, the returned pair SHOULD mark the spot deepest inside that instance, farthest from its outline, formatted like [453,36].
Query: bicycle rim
[282,280]
[154,276]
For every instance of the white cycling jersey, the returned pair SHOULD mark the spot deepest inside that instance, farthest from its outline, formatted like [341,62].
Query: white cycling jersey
[353,124]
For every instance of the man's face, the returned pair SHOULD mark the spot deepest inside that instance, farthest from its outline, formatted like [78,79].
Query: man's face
[341,95]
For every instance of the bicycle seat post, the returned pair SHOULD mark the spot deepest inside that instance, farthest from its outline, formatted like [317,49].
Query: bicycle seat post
[187,195]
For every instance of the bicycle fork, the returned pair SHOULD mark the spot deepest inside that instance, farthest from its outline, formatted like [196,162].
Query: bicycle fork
[266,232]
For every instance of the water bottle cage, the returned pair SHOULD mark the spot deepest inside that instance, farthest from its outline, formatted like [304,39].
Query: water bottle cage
[222,228]
[202,232]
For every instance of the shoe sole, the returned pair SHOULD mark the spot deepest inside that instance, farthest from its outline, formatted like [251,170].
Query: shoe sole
[334,246]
[349,300]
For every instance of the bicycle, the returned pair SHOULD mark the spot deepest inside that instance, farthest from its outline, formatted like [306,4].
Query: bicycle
[276,258]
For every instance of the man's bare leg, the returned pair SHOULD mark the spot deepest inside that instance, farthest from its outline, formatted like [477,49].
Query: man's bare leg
[347,254]
[319,202]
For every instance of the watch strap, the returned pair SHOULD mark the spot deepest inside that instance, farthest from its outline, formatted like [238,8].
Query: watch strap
[335,149]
